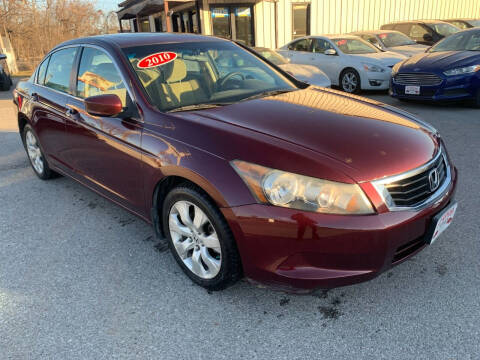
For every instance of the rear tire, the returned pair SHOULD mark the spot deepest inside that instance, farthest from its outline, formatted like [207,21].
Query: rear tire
[200,239]
[35,154]
[350,81]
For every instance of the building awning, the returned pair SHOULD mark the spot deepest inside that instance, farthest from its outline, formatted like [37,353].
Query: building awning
[134,8]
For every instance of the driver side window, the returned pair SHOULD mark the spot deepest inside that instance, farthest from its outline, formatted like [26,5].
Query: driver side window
[320,46]
[300,45]
[98,75]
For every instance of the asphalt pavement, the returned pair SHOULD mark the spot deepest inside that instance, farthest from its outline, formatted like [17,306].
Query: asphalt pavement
[81,278]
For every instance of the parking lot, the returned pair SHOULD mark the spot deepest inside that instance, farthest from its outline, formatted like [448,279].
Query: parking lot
[82,278]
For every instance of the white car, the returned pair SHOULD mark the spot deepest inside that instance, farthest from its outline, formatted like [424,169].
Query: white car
[349,62]
[306,73]
[391,40]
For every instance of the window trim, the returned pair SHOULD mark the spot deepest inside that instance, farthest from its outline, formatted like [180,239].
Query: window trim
[37,71]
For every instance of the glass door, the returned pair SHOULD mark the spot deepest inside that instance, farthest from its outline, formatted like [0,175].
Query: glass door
[301,20]
[221,22]
[234,22]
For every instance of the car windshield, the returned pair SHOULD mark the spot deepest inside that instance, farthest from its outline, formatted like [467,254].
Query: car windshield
[195,75]
[395,39]
[444,29]
[355,46]
[273,56]
[464,41]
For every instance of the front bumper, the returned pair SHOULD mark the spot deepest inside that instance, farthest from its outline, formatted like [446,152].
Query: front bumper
[296,250]
[375,80]
[452,88]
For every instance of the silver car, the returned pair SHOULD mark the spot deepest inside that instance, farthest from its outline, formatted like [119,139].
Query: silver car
[390,40]
[306,73]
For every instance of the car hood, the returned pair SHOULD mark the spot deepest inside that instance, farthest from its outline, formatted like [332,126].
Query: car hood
[440,61]
[307,73]
[371,139]
[409,50]
[385,58]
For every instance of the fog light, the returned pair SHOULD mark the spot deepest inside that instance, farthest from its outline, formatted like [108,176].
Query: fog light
[375,82]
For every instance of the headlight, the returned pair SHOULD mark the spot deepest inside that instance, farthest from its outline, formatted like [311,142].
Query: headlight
[295,191]
[462,70]
[373,68]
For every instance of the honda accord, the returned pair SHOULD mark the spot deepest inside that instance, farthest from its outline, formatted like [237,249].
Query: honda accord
[289,185]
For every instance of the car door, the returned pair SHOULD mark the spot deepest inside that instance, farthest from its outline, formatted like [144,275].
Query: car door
[49,94]
[105,151]
[298,51]
[331,65]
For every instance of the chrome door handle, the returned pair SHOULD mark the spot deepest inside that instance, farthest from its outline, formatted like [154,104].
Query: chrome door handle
[70,113]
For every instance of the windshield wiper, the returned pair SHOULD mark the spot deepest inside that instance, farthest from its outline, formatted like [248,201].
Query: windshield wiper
[267,93]
[197,107]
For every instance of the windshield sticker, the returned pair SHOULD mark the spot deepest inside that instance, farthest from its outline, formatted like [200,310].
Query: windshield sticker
[382,36]
[341,42]
[157,59]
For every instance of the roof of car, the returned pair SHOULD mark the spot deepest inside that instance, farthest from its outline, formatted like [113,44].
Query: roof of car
[138,39]
[427,21]
[375,32]
[335,36]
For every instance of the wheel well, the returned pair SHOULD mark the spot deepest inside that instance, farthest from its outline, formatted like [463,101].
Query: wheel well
[161,191]
[346,69]
[22,121]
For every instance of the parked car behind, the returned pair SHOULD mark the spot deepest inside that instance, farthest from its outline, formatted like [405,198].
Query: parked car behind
[450,70]
[427,32]
[349,62]
[391,40]
[290,185]
[5,77]
[306,73]
[464,23]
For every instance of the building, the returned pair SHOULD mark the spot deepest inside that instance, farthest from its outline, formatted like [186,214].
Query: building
[272,23]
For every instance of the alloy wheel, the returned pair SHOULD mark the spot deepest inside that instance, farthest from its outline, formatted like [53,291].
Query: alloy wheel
[349,82]
[195,239]
[34,152]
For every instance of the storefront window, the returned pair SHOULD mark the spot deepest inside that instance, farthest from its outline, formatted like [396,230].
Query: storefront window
[234,22]
[301,20]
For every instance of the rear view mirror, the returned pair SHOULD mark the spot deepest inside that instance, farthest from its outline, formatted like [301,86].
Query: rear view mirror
[103,105]
[3,56]
[330,52]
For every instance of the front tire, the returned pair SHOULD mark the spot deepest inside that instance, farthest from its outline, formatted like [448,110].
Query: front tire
[200,239]
[35,154]
[350,81]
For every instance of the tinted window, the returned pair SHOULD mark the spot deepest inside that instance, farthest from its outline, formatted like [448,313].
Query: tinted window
[395,39]
[321,45]
[460,24]
[403,28]
[42,69]
[300,45]
[418,32]
[59,69]
[98,75]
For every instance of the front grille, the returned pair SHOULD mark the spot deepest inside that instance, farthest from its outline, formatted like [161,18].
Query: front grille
[411,191]
[417,79]
[408,249]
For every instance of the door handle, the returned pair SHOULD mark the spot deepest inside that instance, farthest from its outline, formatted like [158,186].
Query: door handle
[34,97]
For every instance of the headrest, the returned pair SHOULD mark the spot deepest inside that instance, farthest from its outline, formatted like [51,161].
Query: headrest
[178,71]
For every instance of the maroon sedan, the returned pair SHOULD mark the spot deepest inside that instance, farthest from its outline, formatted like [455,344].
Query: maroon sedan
[245,170]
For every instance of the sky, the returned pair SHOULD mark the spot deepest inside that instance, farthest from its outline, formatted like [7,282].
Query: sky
[108,5]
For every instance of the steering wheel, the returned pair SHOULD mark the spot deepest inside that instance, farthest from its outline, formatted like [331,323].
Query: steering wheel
[229,76]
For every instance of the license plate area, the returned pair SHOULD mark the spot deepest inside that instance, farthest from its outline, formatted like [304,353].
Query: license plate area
[440,223]
[412,90]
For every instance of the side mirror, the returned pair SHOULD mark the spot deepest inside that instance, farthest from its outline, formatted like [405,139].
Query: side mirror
[330,52]
[103,105]
[3,56]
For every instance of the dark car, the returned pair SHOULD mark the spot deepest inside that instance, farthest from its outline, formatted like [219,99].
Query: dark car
[449,70]
[5,78]
[427,32]
[287,184]
[464,23]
